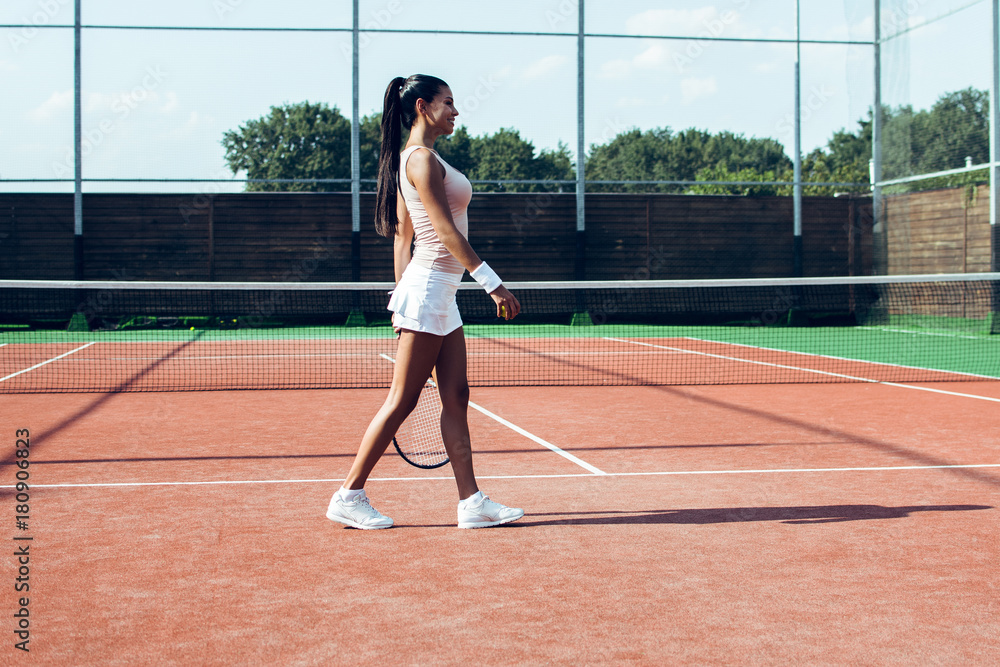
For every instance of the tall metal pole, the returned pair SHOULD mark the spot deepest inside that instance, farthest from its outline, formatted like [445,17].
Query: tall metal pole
[355,153]
[797,191]
[78,272]
[581,227]
[994,167]
[995,133]
[879,226]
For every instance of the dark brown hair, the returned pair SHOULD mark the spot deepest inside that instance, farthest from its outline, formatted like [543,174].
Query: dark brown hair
[399,108]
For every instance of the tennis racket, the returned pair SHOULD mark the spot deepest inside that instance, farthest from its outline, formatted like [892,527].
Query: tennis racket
[418,439]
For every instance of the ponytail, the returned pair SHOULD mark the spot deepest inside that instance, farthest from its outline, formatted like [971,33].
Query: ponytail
[398,109]
[388,160]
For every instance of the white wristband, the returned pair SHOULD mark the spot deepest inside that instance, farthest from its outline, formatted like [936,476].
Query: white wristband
[486,277]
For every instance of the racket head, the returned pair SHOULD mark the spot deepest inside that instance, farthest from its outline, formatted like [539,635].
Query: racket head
[418,439]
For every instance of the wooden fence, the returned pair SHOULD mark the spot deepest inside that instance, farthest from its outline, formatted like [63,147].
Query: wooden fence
[307,236]
[938,231]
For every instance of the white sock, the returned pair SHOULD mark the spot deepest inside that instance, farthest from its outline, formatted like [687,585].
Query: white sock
[349,495]
[474,498]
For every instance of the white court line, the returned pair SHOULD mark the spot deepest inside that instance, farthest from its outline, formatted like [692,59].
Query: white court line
[531,436]
[812,370]
[941,391]
[517,429]
[668,473]
[830,356]
[48,361]
[921,333]
[187,357]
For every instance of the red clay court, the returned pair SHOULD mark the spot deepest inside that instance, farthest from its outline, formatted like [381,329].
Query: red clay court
[840,523]
[732,494]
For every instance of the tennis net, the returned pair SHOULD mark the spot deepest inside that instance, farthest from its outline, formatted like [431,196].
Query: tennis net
[136,336]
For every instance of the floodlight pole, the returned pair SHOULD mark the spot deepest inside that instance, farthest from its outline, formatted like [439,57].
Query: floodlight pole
[879,226]
[995,167]
[797,187]
[580,271]
[355,153]
[78,272]
[995,138]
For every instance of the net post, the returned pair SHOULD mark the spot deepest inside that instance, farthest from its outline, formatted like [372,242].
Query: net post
[797,187]
[797,256]
[880,236]
[356,317]
[580,315]
[993,320]
[993,317]
[78,272]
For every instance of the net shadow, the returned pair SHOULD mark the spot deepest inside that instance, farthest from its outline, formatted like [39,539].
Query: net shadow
[123,386]
[785,420]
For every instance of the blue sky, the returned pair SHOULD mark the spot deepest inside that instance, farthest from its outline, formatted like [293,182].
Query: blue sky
[156,102]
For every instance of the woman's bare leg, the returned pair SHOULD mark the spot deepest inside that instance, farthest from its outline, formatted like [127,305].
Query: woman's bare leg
[453,386]
[415,357]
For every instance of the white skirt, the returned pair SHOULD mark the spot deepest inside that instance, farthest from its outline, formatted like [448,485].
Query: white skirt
[424,300]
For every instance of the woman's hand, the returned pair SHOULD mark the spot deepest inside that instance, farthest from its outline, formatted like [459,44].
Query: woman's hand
[507,304]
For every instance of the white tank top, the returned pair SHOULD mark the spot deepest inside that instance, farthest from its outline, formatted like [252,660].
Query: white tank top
[428,251]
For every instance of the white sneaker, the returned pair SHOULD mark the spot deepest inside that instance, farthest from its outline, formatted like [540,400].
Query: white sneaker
[486,513]
[358,513]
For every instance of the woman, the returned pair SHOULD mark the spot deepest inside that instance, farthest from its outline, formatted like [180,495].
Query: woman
[422,199]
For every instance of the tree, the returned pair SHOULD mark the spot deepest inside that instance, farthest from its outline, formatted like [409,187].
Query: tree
[926,141]
[295,141]
[661,154]
[307,141]
[313,141]
[504,155]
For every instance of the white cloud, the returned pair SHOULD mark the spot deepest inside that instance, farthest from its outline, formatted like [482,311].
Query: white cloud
[664,55]
[656,56]
[544,67]
[693,89]
[57,104]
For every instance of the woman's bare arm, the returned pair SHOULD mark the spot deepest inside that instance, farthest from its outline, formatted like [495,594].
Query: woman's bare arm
[404,237]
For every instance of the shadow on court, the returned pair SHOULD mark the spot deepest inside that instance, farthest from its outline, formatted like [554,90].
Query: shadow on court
[37,440]
[820,431]
[789,515]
